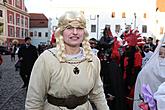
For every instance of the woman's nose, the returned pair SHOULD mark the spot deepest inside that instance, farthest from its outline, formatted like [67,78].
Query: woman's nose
[74,30]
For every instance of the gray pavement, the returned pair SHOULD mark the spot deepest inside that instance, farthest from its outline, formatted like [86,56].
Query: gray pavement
[12,96]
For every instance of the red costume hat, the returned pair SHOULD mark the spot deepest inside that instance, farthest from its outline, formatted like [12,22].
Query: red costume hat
[132,37]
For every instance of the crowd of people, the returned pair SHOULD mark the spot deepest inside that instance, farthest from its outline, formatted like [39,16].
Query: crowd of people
[127,65]
[114,72]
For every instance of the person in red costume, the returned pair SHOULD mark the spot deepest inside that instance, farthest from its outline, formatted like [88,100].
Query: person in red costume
[116,56]
[132,64]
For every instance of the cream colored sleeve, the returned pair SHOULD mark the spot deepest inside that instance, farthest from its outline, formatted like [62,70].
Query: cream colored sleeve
[97,94]
[38,85]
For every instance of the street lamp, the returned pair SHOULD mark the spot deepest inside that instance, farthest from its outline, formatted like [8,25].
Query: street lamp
[97,26]
[135,21]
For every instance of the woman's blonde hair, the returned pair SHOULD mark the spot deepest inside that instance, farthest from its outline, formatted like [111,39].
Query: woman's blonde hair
[68,20]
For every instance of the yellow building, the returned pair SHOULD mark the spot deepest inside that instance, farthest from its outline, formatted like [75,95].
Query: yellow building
[160,16]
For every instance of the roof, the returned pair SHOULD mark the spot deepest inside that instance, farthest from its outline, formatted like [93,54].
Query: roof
[160,4]
[38,20]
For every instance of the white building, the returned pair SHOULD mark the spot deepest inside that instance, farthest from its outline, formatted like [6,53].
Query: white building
[139,15]
[39,29]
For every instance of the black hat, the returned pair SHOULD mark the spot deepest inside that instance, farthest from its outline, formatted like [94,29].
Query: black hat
[27,38]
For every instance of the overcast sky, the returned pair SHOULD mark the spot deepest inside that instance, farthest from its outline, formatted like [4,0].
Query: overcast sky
[48,7]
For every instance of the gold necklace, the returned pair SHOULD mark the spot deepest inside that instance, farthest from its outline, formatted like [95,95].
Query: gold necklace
[75,61]
[76,70]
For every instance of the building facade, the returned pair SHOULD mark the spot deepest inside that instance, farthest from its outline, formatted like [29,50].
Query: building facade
[119,14]
[14,22]
[39,29]
[160,17]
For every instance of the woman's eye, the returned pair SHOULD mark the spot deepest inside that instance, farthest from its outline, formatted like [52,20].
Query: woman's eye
[79,28]
[69,27]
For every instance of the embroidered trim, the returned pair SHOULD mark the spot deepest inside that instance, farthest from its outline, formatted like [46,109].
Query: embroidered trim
[70,62]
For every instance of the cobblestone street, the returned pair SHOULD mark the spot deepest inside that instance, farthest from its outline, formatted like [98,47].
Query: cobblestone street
[12,96]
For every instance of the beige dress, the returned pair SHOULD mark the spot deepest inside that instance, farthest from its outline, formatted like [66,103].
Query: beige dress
[49,76]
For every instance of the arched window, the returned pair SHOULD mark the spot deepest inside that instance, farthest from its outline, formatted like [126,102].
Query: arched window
[123,15]
[145,15]
[113,14]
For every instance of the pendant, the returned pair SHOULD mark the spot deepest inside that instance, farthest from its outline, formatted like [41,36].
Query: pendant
[76,70]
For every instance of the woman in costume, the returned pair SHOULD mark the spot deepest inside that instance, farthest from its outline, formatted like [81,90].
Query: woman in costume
[67,76]
[151,75]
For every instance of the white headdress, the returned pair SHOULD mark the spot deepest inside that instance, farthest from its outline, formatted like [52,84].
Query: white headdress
[151,74]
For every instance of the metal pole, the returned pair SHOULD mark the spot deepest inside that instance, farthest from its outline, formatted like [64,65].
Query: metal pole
[135,21]
[97,26]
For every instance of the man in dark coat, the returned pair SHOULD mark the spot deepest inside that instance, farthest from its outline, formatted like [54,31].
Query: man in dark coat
[111,75]
[27,54]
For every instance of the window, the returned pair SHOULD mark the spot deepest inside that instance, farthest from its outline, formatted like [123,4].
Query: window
[42,22]
[10,2]
[39,34]
[117,28]
[113,14]
[92,17]
[18,32]
[123,15]
[22,33]
[10,18]
[22,21]
[18,3]
[145,15]
[1,28]
[11,31]
[35,33]
[26,22]
[157,21]
[31,34]
[93,28]
[1,13]
[161,30]
[26,33]
[144,28]
[46,34]
[18,21]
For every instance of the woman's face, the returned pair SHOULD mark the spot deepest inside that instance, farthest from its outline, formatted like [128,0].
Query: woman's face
[162,52]
[73,36]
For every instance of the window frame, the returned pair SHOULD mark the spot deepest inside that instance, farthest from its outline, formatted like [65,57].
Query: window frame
[46,34]
[10,18]
[144,28]
[1,13]
[39,34]
[93,28]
